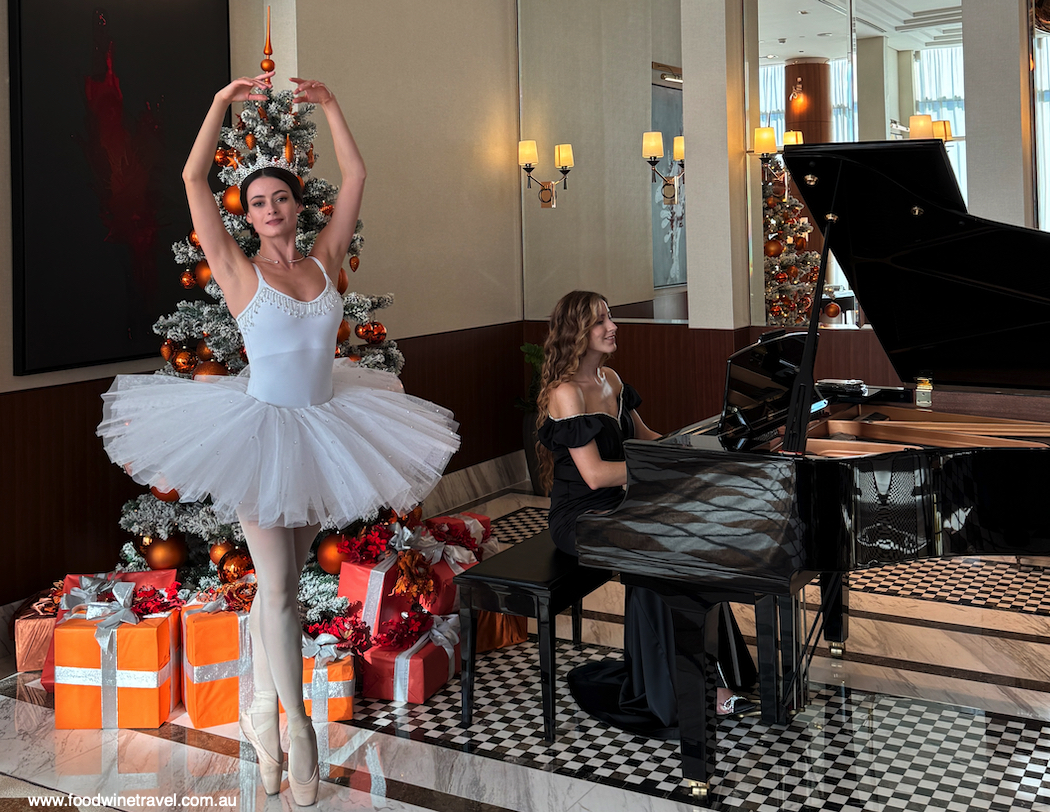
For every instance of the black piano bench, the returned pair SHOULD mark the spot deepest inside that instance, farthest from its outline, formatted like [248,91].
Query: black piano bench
[534,579]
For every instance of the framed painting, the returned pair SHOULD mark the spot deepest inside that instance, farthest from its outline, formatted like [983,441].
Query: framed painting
[106,99]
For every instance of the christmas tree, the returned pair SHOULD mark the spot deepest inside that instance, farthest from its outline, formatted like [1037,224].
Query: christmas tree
[790,269]
[201,338]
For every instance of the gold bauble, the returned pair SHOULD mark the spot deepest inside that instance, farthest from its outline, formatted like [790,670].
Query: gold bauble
[219,549]
[166,554]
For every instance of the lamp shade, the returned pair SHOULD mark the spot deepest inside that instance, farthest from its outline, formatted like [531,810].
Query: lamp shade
[765,140]
[920,127]
[563,156]
[942,130]
[792,137]
[653,145]
[679,147]
[527,153]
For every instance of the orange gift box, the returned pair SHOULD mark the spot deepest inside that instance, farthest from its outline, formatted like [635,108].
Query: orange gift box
[413,674]
[217,678]
[161,579]
[372,584]
[131,683]
[329,690]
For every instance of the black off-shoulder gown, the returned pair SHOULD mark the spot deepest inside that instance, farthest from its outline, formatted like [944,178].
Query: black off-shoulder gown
[637,693]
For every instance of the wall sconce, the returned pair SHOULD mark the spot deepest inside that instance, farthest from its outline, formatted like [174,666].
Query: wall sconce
[796,91]
[672,77]
[920,127]
[653,151]
[792,137]
[942,130]
[527,160]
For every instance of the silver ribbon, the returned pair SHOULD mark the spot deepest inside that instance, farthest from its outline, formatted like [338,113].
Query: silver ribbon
[240,668]
[374,594]
[405,539]
[474,527]
[114,613]
[444,633]
[90,589]
[323,651]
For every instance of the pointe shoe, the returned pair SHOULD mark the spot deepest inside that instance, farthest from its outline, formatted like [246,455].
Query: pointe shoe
[304,793]
[270,767]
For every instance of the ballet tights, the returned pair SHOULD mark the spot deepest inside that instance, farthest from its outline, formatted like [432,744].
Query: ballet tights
[279,554]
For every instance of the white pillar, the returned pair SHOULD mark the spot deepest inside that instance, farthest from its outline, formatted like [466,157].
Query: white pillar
[713,113]
[998,111]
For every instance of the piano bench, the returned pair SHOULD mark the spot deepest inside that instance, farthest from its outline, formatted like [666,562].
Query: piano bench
[534,579]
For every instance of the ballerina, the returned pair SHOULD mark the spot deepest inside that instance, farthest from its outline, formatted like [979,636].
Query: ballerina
[301,439]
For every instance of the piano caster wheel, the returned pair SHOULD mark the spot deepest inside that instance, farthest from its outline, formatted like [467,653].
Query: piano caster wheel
[837,650]
[698,789]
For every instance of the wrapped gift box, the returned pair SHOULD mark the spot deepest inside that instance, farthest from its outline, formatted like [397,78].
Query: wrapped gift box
[372,584]
[216,665]
[161,579]
[478,526]
[329,690]
[413,674]
[33,633]
[445,598]
[133,682]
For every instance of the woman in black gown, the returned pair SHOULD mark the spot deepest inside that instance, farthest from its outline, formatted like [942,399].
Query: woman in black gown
[586,413]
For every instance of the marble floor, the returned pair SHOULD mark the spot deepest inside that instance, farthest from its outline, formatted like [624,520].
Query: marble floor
[941,701]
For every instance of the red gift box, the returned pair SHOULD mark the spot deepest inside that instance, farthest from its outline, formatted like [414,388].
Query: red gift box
[478,526]
[444,599]
[413,674]
[372,585]
[161,579]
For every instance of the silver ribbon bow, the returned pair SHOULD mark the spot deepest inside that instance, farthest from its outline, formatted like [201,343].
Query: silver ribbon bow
[114,613]
[323,649]
[405,539]
[90,590]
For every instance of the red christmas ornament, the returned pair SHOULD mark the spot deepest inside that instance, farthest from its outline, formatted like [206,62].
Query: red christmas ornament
[371,331]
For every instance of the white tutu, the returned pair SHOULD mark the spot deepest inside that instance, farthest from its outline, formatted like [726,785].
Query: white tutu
[370,446]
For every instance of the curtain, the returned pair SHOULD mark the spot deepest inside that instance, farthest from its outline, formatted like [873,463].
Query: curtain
[1041,82]
[939,93]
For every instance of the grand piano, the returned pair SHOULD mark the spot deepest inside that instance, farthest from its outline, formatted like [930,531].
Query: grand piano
[794,482]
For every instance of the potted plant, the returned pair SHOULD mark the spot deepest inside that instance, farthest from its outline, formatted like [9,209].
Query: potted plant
[534,357]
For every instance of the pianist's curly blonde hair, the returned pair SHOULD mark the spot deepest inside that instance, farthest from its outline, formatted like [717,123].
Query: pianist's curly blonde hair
[567,341]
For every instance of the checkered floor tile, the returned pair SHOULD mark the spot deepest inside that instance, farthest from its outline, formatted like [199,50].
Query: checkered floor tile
[847,751]
[519,525]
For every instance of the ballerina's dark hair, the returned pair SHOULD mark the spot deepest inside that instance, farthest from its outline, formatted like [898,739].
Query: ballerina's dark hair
[272,172]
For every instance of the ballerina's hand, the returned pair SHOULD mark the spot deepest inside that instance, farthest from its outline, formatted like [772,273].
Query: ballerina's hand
[311,91]
[246,88]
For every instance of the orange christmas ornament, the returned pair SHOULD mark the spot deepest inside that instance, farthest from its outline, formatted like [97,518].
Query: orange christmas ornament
[289,150]
[167,349]
[235,565]
[231,200]
[202,273]
[353,356]
[344,332]
[186,279]
[354,263]
[327,209]
[165,496]
[371,331]
[267,65]
[220,157]
[771,202]
[249,140]
[792,272]
[184,361]
[244,355]
[800,243]
[773,248]
[209,368]
[328,556]
[166,554]
[219,549]
[204,351]
[832,310]
[310,157]
[195,241]
[343,283]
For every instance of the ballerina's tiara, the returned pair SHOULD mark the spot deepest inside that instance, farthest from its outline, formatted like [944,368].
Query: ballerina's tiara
[238,173]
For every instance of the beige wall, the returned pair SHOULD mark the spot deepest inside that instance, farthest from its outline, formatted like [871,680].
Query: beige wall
[430,90]
[586,80]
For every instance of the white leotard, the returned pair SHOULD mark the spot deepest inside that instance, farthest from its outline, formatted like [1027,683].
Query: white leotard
[291,344]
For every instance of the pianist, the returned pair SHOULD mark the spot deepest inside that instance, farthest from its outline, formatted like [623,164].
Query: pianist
[585,414]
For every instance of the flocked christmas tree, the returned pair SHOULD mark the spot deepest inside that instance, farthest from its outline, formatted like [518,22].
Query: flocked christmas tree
[790,269]
[201,338]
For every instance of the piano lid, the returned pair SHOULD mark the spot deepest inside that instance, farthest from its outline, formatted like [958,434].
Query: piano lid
[957,298]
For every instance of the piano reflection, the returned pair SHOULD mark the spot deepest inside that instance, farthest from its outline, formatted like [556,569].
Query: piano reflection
[792,482]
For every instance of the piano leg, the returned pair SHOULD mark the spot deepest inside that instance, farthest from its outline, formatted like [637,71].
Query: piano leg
[793,675]
[769,675]
[468,635]
[834,593]
[696,643]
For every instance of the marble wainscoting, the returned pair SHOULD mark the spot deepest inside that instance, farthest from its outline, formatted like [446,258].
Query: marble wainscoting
[473,485]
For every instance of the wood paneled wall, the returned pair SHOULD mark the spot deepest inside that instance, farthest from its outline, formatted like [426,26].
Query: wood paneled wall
[61,497]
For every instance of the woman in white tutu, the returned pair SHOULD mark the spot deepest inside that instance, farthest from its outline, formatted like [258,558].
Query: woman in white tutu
[298,440]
